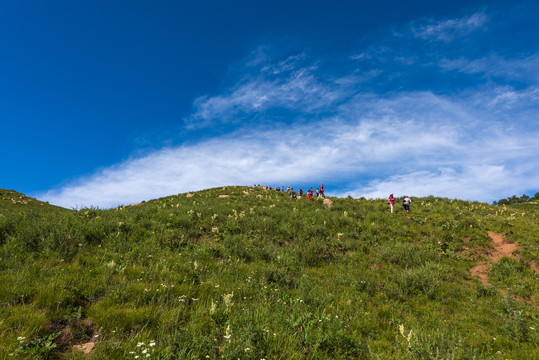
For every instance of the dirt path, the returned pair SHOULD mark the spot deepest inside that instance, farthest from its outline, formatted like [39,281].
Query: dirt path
[501,249]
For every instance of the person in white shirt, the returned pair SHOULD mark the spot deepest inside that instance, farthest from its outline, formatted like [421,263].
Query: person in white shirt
[406,203]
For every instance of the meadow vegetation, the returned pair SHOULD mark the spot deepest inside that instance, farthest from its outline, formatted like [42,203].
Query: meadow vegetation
[257,275]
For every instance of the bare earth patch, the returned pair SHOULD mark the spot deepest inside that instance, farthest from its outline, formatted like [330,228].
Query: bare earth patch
[85,348]
[501,249]
[88,346]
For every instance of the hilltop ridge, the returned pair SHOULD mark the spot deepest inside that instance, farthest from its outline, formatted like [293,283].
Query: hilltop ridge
[244,272]
[12,197]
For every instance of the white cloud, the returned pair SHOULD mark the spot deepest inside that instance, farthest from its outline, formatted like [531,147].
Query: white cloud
[522,69]
[288,85]
[478,144]
[401,140]
[447,30]
[507,97]
[477,182]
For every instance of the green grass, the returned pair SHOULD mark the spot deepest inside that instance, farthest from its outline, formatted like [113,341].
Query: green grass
[259,275]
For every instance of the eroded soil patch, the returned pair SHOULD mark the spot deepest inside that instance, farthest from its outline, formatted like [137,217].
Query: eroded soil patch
[501,249]
[80,334]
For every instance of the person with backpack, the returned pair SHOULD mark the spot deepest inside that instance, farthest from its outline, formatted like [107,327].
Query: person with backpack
[406,203]
[292,193]
[310,194]
[391,202]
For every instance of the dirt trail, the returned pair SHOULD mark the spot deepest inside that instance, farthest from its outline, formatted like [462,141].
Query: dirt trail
[501,249]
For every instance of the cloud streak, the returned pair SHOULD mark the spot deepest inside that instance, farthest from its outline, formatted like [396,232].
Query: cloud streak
[496,66]
[404,150]
[288,85]
[292,119]
[447,30]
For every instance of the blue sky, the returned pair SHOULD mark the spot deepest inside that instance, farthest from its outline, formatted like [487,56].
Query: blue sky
[109,103]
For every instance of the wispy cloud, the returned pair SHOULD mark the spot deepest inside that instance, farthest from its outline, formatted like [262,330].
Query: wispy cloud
[507,97]
[292,119]
[288,84]
[471,183]
[495,66]
[447,30]
[415,143]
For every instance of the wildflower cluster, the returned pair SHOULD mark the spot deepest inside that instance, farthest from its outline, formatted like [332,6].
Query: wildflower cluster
[142,351]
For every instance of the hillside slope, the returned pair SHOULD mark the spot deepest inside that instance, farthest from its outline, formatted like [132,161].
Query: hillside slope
[248,273]
[12,201]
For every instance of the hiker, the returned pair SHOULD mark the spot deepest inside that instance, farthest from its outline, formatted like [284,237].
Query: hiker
[391,202]
[317,192]
[322,191]
[310,194]
[300,192]
[406,203]
[292,193]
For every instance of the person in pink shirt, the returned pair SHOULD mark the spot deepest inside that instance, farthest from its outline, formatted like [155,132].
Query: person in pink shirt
[391,202]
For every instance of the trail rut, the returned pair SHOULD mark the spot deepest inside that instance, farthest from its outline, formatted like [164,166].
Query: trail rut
[501,249]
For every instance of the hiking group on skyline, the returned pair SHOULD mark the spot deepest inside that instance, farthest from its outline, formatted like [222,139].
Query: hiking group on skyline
[320,194]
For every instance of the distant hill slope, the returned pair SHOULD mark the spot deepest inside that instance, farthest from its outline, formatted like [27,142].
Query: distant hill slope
[244,272]
[12,200]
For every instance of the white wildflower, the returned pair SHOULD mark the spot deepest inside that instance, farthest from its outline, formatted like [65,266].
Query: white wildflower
[228,299]
[228,333]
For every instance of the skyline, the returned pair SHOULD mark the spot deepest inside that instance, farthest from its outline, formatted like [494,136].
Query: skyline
[114,104]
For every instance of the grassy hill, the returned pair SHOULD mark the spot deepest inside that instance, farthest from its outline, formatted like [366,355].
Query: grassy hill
[247,273]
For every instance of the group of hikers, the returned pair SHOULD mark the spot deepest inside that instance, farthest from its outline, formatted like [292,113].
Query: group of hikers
[320,193]
[405,203]
[297,195]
